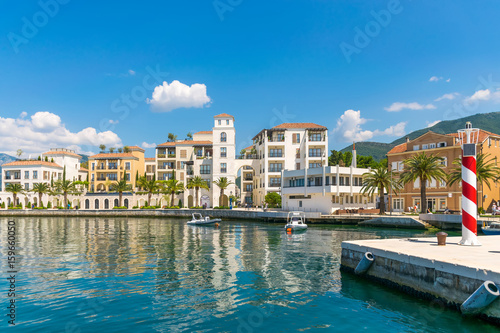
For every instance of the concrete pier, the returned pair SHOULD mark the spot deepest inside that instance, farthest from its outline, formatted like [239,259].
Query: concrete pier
[420,267]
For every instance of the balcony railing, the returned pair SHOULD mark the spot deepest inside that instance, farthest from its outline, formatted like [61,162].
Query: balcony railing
[276,155]
[275,185]
[161,155]
[316,138]
[276,139]
[315,154]
[247,157]
[275,170]
[248,178]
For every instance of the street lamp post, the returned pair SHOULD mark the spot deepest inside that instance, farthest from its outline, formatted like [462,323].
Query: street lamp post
[390,190]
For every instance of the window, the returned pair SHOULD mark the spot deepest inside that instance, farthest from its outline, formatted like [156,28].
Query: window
[223,168]
[275,182]
[199,152]
[416,147]
[204,169]
[248,187]
[300,204]
[280,137]
[315,137]
[297,166]
[223,137]
[314,165]
[314,152]
[276,153]
[295,138]
[35,174]
[26,175]
[425,146]
[394,166]
[223,152]
[297,153]
[432,145]
[220,122]
[334,180]
[347,181]
[275,167]
[7,174]
[127,165]
[93,166]
[442,203]
[26,186]
[398,204]
[441,144]
[183,165]
[92,177]
[401,166]
[127,176]
[112,176]
[227,121]
[183,153]
[341,180]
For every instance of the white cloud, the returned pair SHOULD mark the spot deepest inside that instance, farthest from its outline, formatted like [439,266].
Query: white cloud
[397,106]
[430,124]
[146,145]
[436,79]
[483,95]
[168,97]
[114,122]
[44,130]
[447,96]
[349,128]
[23,114]
[131,72]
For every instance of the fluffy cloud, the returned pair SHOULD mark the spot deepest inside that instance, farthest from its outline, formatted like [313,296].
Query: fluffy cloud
[430,124]
[483,95]
[168,97]
[447,96]
[131,72]
[436,79]
[146,145]
[349,128]
[397,106]
[44,130]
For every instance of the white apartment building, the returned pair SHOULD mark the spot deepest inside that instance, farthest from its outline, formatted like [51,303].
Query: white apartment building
[69,159]
[289,146]
[325,189]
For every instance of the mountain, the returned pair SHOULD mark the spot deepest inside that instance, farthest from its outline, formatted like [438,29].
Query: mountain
[376,149]
[486,121]
[4,158]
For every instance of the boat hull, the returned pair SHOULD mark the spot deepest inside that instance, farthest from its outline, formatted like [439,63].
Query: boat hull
[488,231]
[296,227]
[209,222]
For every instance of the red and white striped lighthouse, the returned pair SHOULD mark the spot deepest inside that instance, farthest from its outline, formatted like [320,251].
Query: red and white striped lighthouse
[468,138]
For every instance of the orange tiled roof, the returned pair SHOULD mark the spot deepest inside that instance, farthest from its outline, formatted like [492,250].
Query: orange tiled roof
[150,159]
[113,156]
[249,147]
[398,149]
[186,142]
[204,132]
[34,163]
[84,170]
[300,125]
[223,115]
[62,153]
[483,135]
[136,147]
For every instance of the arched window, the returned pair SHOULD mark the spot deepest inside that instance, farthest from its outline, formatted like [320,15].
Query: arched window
[223,137]
[116,203]
[106,204]
[96,204]
[87,204]
[126,203]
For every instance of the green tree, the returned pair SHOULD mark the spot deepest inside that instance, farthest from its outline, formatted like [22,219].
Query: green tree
[120,187]
[379,179]
[19,153]
[273,199]
[15,189]
[102,148]
[111,150]
[486,170]
[335,157]
[46,159]
[423,167]
[126,149]
[120,150]
[64,186]
[197,183]
[39,157]
[150,186]
[190,136]
[222,183]
[172,137]
[40,189]
[347,158]
[173,187]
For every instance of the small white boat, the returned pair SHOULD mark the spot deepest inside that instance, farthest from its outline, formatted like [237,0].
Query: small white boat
[198,219]
[491,229]
[296,221]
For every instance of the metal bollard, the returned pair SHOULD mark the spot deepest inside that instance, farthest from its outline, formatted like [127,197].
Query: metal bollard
[364,263]
[481,298]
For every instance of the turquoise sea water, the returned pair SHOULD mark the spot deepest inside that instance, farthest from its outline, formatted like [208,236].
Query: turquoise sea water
[160,275]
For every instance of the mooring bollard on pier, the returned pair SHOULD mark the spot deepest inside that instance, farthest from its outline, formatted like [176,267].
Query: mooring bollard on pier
[364,263]
[481,298]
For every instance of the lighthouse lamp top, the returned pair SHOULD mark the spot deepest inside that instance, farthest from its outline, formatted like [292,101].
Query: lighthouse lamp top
[468,134]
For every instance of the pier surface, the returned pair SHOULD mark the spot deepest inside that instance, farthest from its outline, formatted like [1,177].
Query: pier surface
[419,266]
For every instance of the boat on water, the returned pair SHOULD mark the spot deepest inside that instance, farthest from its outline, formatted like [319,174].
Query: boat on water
[198,219]
[491,229]
[296,221]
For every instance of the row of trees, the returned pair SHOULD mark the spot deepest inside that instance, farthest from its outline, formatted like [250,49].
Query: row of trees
[345,159]
[125,149]
[425,168]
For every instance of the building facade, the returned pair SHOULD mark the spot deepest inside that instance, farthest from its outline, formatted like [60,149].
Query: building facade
[439,194]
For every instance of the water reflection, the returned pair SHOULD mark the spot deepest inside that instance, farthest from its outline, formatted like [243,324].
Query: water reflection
[163,275]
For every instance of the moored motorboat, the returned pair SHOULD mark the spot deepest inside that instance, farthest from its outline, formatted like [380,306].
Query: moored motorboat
[198,219]
[296,221]
[491,229]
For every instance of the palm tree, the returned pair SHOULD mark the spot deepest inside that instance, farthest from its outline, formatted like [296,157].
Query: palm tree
[14,189]
[149,186]
[190,136]
[120,187]
[486,170]
[126,149]
[423,167]
[197,183]
[173,187]
[120,150]
[379,179]
[64,186]
[111,150]
[222,183]
[19,153]
[102,148]
[172,137]
[41,189]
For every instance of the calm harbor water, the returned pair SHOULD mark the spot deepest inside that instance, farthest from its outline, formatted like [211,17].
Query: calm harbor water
[160,275]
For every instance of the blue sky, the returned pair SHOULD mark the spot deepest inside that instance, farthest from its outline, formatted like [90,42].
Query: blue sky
[367,70]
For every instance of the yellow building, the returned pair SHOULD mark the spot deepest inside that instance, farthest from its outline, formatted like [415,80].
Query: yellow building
[440,195]
[107,168]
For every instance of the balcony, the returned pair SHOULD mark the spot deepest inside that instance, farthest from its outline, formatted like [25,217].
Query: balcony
[247,157]
[161,156]
[248,178]
[276,139]
[275,170]
[275,185]
[316,138]
[316,154]
[276,155]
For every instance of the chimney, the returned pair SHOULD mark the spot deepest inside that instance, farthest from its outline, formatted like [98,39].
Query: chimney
[353,163]
[407,139]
